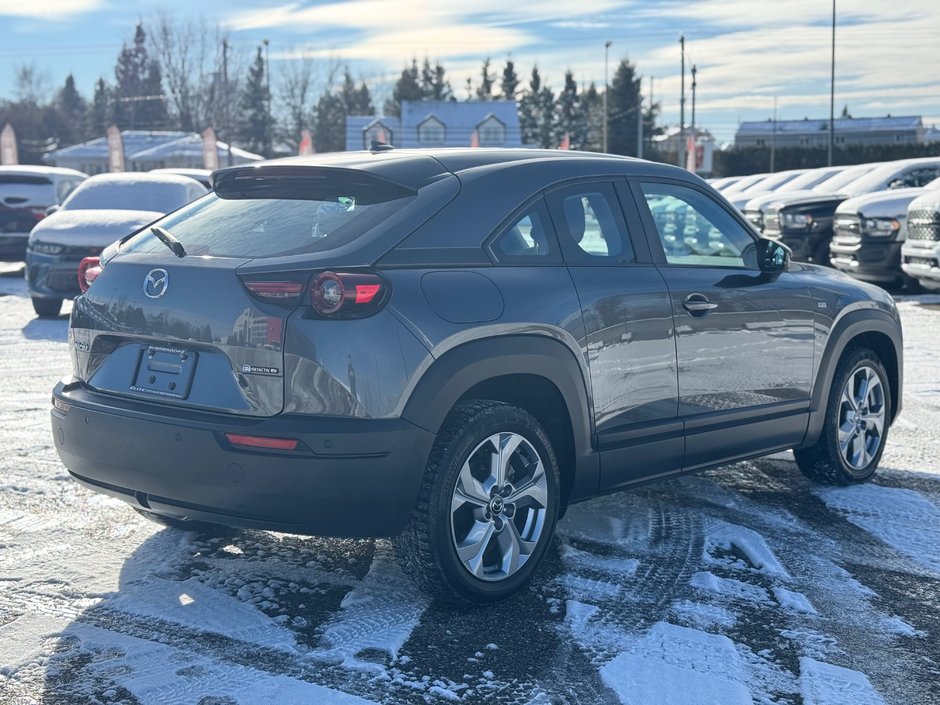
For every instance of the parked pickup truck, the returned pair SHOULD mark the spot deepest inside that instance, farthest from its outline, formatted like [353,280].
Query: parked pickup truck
[920,253]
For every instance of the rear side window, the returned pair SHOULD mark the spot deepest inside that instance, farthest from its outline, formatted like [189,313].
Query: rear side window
[18,191]
[529,238]
[127,194]
[258,216]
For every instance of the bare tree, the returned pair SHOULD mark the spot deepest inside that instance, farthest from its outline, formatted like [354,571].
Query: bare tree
[32,84]
[193,55]
[296,94]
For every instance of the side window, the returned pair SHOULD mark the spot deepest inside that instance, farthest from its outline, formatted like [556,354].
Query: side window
[695,230]
[590,224]
[64,188]
[921,177]
[529,238]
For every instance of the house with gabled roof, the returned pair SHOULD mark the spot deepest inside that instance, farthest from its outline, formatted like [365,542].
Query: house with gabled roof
[439,123]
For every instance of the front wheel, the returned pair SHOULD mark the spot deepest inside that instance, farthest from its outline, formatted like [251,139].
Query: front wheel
[487,506]
[856,427]
[47,308]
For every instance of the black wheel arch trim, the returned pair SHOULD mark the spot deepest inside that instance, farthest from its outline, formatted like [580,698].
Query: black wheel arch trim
[461,368]
[847,328]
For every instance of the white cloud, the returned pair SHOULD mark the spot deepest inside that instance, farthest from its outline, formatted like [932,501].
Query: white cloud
[48,9]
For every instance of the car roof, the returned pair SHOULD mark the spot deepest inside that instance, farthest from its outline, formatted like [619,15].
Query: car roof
[40,170]
[141,177]
[417,167]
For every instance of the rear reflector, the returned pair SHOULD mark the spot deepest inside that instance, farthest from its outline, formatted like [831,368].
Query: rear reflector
[276,289]
[262,442]
[366,292]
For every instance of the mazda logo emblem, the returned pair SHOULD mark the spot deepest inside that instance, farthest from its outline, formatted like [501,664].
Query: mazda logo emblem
[156,283]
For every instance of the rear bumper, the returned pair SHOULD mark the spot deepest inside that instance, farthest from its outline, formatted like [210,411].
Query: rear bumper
[360,477]
[13,247]
[868,261]
[52,276]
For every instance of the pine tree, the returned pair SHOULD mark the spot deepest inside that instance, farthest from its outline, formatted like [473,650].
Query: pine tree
[255,129]
[529,109]
[329,133]
[73,110]
[356,99]
[590,136]
[439,87]
[510,80]
[139,102]
[408,87]
[485,89]
[569,117]
[547,132]
[624,105]
[101,112]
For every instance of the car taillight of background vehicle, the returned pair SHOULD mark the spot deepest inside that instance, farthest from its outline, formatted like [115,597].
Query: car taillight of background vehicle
[88,270]
[38,213]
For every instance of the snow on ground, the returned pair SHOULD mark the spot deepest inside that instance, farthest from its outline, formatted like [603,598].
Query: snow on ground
[745,584]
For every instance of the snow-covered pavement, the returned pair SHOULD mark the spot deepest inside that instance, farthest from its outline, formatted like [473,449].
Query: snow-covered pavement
[742,585]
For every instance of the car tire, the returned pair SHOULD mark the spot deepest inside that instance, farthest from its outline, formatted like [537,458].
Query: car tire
[47,308]
[856,426]
[200,527]
[479,529]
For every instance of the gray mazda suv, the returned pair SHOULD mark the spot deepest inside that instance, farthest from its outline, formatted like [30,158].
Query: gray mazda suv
[449,347]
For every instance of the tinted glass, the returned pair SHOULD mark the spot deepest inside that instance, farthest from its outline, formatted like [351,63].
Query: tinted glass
[589,219]
[128,194]
[275,216]
[527,237]
[695,230]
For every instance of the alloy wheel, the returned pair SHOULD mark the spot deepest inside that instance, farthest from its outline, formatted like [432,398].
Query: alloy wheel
[861,418]
[499,507]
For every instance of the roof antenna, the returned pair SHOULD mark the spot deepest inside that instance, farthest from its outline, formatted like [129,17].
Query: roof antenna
[380,147]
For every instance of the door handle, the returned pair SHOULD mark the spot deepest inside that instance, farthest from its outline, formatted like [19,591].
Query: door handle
[698,304]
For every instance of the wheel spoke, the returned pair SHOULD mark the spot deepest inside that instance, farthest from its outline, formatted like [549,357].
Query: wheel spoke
[515,550]
[534,489]
[469,490]
[861,397]
[876,421]
[848,396]
[846,434]
[508,443]
[472,548]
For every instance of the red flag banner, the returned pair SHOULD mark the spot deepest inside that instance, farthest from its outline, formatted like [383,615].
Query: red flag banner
[8,153]
[690,154]
[210,149]
[565,142]
[306,143]
[475,139]
[115,150]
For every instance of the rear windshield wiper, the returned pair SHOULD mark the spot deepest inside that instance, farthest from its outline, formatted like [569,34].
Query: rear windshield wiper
[167,239]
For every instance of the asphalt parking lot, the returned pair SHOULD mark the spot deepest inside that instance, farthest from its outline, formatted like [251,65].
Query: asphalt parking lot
[746,584]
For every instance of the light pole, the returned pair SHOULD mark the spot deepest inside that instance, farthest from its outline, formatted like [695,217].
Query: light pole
[267,72]
[832,86]
[773,137]
[694,86]
[682,104]
[606,90]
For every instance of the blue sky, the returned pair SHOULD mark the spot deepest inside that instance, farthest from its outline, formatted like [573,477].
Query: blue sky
[747,51]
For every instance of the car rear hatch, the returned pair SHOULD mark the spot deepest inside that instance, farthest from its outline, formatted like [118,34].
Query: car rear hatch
[207,330]
[23,201]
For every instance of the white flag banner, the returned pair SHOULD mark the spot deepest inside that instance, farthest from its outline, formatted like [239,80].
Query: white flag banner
[115,150]
[210,149]
[8,153]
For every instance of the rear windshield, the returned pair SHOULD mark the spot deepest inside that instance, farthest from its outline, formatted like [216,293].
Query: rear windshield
[20,190]
[275,216]
[127,196]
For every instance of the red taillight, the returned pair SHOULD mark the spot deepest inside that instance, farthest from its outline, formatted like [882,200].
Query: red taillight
[38,213]
[276,290]
[88,270]
[347,293]
[237,439]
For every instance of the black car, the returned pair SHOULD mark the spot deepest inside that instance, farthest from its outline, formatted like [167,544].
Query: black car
[449,347]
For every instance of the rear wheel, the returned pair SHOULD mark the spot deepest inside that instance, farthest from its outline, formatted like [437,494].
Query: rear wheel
[47,308]
[487,507]
[856,427]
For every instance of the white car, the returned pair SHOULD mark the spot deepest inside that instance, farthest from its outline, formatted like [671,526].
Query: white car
[26,193]
[203,176]
[102,210]
[920,254]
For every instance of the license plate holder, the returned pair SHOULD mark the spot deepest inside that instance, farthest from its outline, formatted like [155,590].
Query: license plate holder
[165,372]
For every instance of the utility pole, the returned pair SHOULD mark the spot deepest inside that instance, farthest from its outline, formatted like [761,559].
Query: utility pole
[270,120]
[832,86]
[226,113]
[606,90]
[773,137]
[694,86]
[682,105]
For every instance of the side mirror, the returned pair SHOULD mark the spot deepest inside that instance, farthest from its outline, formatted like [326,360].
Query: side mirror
[51,209]
[772,257]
